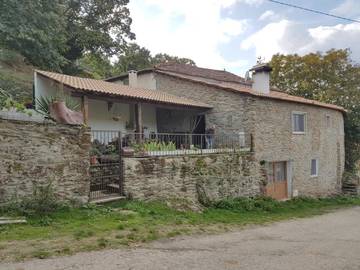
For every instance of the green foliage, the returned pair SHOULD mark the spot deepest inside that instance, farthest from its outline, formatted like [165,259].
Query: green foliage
[137,58]
[43,103]
[149,146]
[247,204]
[40,204]
[330,77]
[35,29]
[7,102]
[54,34]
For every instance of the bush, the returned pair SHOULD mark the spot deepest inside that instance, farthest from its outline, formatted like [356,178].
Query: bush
[247,204]
[41,203]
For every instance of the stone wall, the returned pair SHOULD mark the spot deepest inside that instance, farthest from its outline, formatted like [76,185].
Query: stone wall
[229,113]
[39,153]
[269,121]
[195,178]
[323,140]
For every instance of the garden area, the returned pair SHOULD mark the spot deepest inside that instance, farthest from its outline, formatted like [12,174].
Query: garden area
[58,229]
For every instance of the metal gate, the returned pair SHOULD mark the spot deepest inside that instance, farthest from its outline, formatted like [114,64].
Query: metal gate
[106,165]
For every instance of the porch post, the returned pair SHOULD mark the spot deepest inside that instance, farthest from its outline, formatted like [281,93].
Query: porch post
[85,109]
[138,121]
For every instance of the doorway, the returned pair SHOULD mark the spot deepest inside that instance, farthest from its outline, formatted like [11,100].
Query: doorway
[277,178]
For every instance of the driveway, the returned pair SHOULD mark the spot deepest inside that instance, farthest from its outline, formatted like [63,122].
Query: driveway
[330,241]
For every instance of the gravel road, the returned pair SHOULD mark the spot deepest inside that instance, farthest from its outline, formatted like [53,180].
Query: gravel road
[330,241]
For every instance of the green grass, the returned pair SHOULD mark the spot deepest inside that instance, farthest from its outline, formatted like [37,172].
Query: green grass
[96,227]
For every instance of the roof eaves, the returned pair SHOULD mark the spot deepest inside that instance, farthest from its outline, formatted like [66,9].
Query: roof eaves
[308,101]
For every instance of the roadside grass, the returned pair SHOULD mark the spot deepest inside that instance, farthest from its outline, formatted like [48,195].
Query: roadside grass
[127,223]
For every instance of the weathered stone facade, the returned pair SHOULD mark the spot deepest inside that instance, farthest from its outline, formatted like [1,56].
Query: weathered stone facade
[269,121]
[195,178]
[323,140]
[39,153]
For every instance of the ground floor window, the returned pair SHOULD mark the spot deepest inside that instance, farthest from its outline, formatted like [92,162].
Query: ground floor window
[314,167]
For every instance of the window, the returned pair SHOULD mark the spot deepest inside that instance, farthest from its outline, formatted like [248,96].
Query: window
[276,171]
[314,167]
[298,122]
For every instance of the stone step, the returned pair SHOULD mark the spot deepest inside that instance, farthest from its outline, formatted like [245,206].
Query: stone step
[108,199]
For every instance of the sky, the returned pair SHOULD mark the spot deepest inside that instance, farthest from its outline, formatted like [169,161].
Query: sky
[231,34]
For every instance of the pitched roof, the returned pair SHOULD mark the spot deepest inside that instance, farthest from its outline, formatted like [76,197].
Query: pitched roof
[246,89]
[112,89]
[184,69]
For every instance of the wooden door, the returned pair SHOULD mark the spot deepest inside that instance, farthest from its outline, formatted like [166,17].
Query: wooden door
[277,180]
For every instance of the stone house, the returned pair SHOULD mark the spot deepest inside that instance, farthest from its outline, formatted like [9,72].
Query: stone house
[299,142]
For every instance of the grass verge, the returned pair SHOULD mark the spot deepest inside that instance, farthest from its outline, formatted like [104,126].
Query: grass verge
[125,223]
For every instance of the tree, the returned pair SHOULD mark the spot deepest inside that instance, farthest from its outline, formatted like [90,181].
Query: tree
[134,57]
[330,77]
[55,34]
[34,28]
[165,58]
[101,27]
[96,66]
[137,58]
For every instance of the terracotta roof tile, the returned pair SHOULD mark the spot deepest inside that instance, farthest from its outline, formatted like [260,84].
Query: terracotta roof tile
[102,87]
[219,75]
[246,89]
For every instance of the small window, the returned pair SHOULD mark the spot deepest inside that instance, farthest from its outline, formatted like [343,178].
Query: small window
[298,122]
[314,167]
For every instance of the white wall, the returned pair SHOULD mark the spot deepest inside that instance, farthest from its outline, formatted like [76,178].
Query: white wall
[100,118]
[144,80]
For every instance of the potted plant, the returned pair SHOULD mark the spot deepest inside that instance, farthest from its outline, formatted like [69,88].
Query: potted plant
[94,153]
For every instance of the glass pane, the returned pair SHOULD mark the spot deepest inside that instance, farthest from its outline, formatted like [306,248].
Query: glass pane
[299,122]
[270,172]
[280,171]
[313,167]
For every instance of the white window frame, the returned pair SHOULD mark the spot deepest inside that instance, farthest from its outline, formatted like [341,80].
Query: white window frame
[317,167]
[292,122]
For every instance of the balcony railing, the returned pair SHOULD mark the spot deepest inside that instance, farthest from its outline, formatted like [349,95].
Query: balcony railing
[165,144]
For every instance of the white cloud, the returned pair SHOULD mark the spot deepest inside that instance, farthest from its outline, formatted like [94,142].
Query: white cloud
[348,8]
[268,15]
[289,37]
[186,28]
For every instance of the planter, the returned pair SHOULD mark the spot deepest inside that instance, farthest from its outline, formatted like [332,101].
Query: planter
[128,152]
[64,115]
[93,160]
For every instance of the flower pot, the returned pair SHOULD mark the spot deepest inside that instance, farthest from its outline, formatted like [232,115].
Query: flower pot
[93,160]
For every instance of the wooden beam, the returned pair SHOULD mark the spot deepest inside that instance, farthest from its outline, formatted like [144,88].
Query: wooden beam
[85,109]
[138,121]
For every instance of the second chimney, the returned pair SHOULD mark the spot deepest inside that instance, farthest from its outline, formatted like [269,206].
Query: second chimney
[261,78]
[133,78]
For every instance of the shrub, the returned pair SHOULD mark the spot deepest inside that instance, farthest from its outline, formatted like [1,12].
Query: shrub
[247,204]
[41,203]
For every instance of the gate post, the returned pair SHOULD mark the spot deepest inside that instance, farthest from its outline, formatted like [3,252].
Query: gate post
[121,169]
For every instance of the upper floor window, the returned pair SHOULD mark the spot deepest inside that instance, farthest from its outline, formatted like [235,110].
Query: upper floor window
[298,122]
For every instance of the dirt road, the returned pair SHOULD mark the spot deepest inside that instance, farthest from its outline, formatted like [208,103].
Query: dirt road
[330,241]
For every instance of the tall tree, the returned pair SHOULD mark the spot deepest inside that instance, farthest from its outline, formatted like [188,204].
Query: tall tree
[137,57]
[330,77]
[54,34]
[36,29]
[101,27]
[165,58]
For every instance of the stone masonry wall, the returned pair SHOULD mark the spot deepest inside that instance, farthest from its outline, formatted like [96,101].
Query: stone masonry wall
[269,121]
[323,140]
[38,153]
[195,178]
[229,113]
